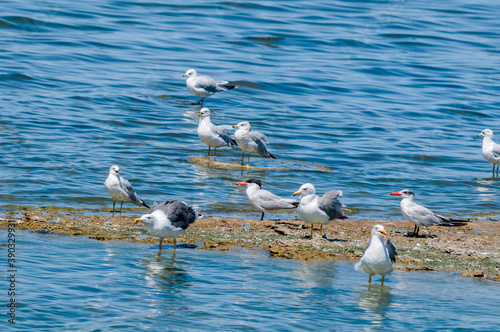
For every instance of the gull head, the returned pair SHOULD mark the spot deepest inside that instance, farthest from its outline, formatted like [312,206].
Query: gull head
[245,125]
[114,170]
[305,189]
[190,73]
[405,193]
[379,230]
[250,182]
[486,133]
[145,219]
[204,112]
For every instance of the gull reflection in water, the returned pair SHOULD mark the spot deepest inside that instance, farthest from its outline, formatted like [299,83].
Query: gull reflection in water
[165,272]
[375,301]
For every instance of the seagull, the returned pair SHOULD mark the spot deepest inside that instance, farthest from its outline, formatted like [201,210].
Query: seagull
[204,86]
[251,141]
[491,150]
[265,200]
[121,190]
[420,215]
[378,255]
[212,135]
[168,219]
[319,210]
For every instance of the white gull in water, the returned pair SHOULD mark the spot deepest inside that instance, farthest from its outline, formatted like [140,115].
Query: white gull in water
[265,200]
[204,86]
[121,190]
[168,219]
[491,150]
[319,210]
[212,135]
[251,141]
[420,215]
[378,255]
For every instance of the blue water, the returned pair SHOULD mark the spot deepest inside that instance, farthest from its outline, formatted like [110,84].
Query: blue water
[391,94]
[66,283]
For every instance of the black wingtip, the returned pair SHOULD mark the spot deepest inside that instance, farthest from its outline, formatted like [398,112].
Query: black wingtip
[271,156]
[229,87]
[343,217]
[144,204]
[296,204]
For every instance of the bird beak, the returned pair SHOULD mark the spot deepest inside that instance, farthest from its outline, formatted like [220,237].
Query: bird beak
[242,184]
[395,194]
[235,126]
[479,135]
[138,220]
[383,233]
[297,193]
[184,75]
[199,113]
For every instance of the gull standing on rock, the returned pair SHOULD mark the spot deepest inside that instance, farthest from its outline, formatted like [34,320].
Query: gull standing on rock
[265,200]
[204,86]
[212,135]
[168,219]
[319,210]
[420,215]
[251,141]
[491,150]
[378,255]
[121,190]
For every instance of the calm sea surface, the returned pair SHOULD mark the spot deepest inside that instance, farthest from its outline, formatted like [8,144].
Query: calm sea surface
[390,94]
[66,284]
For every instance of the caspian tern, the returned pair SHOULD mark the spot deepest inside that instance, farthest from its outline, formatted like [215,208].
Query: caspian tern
[265,200]
[422,216]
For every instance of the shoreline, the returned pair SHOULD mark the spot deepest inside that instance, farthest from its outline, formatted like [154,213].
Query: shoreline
[471,251]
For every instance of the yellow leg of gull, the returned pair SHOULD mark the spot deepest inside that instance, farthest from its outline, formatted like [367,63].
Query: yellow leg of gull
[370,280]
[382,280]
[312,227]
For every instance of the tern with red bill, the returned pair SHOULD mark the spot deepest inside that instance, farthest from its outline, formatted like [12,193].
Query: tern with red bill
[265,200]
[420,215]
[378,255]
[319,210]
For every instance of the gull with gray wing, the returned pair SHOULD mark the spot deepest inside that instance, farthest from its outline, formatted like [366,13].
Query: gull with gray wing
[319,210]
[212,135]
[204,86]
[121,190]
[251,141]
[378,255]
[491,150]
[168,219]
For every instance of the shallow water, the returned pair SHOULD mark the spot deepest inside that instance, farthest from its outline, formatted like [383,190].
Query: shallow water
[391,94]
[72,283]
